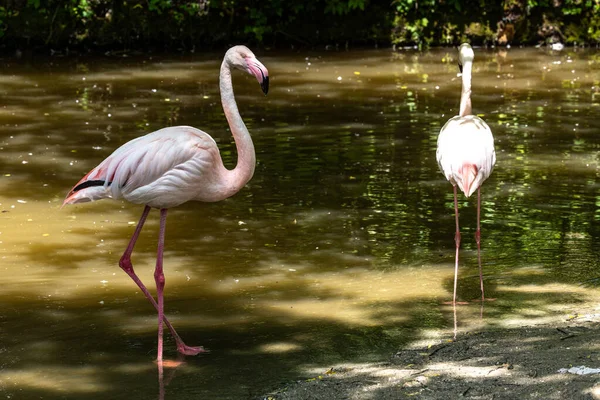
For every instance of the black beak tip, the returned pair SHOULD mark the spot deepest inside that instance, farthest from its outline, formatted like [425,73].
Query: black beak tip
[265,85]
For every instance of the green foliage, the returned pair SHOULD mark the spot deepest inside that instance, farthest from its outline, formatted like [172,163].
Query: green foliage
[426,22]
[340,7]
[187,24]
[5,15]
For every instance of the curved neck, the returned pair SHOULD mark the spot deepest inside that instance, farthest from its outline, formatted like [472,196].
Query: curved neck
[244,169]
[465,96]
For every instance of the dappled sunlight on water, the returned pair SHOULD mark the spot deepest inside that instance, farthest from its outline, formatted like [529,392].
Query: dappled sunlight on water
[341,248]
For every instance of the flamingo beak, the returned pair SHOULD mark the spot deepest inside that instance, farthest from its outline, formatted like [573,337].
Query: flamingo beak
[261,73]
[265,85]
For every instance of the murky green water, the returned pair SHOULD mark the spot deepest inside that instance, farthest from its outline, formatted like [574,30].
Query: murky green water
[339,250]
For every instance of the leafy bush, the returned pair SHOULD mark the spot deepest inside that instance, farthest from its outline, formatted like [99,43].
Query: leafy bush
[188,24]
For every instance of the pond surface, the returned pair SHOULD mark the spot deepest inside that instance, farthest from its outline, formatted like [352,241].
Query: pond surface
[341,248]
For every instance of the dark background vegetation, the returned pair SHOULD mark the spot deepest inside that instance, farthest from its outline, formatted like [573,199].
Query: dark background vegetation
[189,25]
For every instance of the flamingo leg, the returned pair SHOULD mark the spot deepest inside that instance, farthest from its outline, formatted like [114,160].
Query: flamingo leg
[455,320]
[457,241]
[127,266]
[159,277]
[161,382]
[478,240]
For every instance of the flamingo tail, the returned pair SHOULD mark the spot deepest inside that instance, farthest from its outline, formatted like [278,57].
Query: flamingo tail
[88,191]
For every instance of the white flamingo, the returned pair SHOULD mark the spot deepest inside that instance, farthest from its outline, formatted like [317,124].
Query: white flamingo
[171,166]
[466,155]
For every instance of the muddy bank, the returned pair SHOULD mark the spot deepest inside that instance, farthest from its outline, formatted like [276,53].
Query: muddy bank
[528,361]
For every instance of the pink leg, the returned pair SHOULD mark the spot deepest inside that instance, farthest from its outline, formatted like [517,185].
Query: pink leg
[478,240]
[159,277]
[127,266]
[161,382]
[457,241]
[455,320]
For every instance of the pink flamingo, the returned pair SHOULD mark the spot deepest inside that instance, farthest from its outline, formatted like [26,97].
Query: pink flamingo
[465,154]
[171,166]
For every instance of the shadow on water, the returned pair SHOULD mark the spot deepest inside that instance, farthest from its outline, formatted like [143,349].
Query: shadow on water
[340,250]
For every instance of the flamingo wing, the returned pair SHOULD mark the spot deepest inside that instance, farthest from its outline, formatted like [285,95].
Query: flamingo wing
[162,169]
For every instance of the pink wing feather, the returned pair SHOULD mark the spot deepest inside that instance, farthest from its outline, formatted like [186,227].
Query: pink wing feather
[162,169]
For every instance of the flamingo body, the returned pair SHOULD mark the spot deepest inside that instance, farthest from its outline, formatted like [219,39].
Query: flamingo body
[162,169]
[171,166]
[465,152]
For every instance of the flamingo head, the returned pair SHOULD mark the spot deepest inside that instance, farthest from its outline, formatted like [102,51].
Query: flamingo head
[243,59]
[465,54]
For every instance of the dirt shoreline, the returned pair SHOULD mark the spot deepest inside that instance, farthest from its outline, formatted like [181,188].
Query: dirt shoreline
[516,362]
